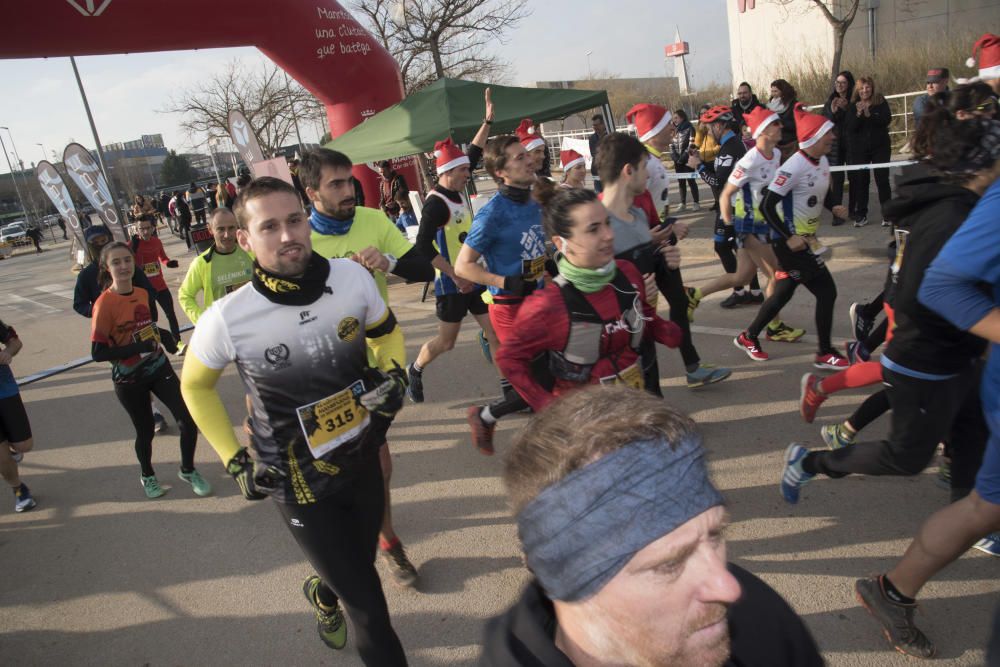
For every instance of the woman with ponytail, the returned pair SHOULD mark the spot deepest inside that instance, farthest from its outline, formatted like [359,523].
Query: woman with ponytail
[588,324]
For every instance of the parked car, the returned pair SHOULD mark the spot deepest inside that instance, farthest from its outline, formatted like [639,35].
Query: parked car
[16,233]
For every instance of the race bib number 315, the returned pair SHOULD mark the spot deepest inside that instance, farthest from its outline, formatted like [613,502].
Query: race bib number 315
[334,420]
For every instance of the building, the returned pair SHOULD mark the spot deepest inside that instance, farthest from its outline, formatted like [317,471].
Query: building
[769,39]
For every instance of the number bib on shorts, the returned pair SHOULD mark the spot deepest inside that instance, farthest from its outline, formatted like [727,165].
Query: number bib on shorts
[630,377]
[334,420]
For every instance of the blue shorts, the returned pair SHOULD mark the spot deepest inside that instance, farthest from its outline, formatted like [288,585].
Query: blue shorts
[741,239]
[988,479]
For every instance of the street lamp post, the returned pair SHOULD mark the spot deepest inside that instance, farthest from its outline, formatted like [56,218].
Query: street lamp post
[590,72]
[30,211]
[44,154]
[12,177]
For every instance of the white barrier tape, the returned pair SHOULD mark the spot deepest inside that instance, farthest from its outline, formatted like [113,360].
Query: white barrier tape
[686,176]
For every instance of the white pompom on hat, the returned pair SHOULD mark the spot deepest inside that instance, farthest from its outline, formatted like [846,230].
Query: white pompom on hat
[987,48]
[529,137]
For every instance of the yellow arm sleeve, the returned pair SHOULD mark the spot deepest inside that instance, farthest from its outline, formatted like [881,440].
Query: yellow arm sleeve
[205,405]
[188,291]
[385,340]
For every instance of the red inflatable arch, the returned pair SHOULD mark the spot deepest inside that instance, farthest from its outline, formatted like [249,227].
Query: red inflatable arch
[315,41]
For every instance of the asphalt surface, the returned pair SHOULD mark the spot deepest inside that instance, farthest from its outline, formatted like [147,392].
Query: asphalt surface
[98,575]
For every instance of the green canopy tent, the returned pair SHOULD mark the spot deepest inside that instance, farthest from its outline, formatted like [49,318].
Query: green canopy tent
[454,108]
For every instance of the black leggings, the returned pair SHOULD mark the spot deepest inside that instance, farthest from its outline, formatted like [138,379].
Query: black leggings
[339,534]
[671,285]
[184,226]
[691,183]
[860,179]
[871,409]
[167,304]
[511,401]
[134,397]
[821,284]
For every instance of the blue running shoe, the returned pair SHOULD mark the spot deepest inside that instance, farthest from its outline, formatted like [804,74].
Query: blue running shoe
[22,499]
[793,476]
[707,374]
[484,345]
[989,544]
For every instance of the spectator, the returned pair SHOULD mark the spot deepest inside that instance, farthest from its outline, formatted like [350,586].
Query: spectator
[391,185]
[836,110]
[706,144]
[679,154]
[196,200]
[406,216]
[782,102]
[62,226]
[867,132]
[211,197]
[293,169]
[600,130]
[223,198]
[937,82]
[744,102]
[35,234]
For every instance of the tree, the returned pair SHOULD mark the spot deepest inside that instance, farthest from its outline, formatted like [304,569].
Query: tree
[839,25]
[431,39]
[270,102]
[176,169]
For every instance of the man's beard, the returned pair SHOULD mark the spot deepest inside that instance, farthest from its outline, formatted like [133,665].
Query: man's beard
[343,210]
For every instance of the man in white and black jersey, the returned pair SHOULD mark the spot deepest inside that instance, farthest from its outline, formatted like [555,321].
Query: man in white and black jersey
[444,223]
[297,334]
[799,189]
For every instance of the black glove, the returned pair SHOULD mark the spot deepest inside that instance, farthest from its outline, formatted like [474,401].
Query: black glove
[172,264]
[168,341]
[519,285]
[387,393]
[255,482]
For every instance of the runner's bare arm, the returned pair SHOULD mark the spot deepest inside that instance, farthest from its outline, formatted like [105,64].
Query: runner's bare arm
[466,266]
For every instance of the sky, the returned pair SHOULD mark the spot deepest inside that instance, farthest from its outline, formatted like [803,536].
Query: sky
[127,93]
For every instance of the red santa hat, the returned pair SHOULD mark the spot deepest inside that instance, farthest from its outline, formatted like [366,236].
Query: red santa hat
[649,120]
[758,119]
[570,159]
[988,49]
[529,137]
[809,126]
[448,156]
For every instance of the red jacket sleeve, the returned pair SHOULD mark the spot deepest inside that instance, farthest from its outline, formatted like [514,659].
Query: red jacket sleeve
[542,324]
[160,252]
[663,331]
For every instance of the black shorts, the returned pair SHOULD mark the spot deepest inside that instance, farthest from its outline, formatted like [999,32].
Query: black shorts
[802,266]
[454,307]
[14,425]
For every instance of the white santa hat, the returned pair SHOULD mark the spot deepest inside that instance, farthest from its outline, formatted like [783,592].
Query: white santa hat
[649,120]
[988,48]
[530,139]
[570,158]
[448,156]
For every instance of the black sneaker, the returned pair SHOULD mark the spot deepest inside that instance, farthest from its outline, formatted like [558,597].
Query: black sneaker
[416,389]
[400,567]
[861,324]
[751,299]
[159,423]
[896,619]
[861,221]
[837,222]
[733,300]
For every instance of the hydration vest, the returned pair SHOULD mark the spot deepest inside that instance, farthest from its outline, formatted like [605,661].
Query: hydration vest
[583,347]
[449,239]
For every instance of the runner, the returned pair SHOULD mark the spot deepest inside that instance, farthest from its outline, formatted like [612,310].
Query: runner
[507,235]
[743,190]
[799,189]
[574,168]
[953,287]
[15,429]
[149,253]
[534,143]
[297,336]
[223,268]
[88,289]
[928,362]
[623,163]
[591,321]
[444,224]
[123,333]
[340,228]
[198,200]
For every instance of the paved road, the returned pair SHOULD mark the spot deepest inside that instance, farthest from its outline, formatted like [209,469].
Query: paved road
[98,575]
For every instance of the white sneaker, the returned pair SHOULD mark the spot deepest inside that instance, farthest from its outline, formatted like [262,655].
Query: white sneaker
[696,206]
[682,208]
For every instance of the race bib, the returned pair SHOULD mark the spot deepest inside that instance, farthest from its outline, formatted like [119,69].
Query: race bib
[630,377]
[334,420]
[533,269]
[151,268]
[148,332]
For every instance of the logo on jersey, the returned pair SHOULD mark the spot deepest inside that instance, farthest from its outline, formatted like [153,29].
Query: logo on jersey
[297,523]
[811,201]
[723,161]
[348,329]
[305,317]
[782,178]
[738,173]
[277,356]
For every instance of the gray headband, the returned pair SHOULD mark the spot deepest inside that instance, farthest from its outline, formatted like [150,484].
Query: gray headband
[579,532]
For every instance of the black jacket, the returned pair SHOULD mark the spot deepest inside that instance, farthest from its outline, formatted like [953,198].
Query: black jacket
[764,631]
[931,212]
[867,133]
[838,153]
[739,111]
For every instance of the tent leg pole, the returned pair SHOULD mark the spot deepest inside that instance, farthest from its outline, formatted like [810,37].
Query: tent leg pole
[609,118]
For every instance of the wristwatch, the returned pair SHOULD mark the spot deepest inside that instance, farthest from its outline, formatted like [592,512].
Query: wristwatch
[392,262]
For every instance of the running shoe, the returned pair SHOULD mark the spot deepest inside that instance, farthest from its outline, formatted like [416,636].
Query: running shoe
[152,487]
[415,391]
[696,206]
[197,482]
[330,624]
[830,361]
[22,499]
[181,348]
[733,300]
[860,325]
[810,397]
[856,352]
[694,298]
[783,333]
[751,299]
[837,222]
[989,544]
[402,570]
[482,433]
[683,207]
[793,477]
[16,455]
[706,374]
[159,423]
[484,345]
[886,223]
[861,221]
[751,346]
[943,477]
[836,436]
[896,619]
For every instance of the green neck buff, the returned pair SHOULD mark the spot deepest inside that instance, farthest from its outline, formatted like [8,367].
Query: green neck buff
[587,281]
